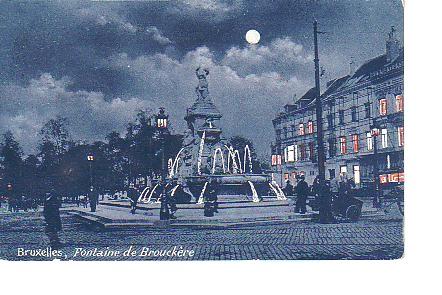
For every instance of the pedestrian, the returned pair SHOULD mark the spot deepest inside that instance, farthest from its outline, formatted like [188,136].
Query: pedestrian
[172,201]
[93,199]
[51,213]
[211,199]
[302,191]
[133,195]
[334,187]
[288,190]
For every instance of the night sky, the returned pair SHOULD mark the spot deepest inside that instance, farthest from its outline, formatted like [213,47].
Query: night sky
[97,63]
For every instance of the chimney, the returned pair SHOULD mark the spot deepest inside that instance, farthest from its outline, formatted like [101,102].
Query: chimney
[393,45]
[352,66]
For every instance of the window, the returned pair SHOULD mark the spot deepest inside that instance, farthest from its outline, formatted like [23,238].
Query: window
[388,162]
[400,136]
[367,110]
[369,141]
[276,160]
[331,147]
[286,156]
[383,107]
[293,129]
[291,153]
[278,134]
[357,174]
[354,114]
[303,150]
[355,138]
[285,132]
[341,117]
[311,127]
[330,121]
[343,169]
[384,138]
[311,147]
[332,173]
[301,129]
[399,103]
[343,145]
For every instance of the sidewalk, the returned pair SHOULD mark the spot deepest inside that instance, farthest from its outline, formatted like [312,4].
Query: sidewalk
[116,214]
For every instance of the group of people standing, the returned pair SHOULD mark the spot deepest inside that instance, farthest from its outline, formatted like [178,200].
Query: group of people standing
[340,186]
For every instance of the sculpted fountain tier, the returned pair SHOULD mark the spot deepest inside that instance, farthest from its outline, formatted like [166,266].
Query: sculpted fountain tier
[206,157]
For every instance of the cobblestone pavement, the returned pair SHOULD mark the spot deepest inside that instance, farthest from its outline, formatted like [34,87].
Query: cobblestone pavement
[373,238]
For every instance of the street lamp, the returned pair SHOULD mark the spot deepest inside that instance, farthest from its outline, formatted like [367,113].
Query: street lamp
[374,130]
[162,123]
[90,159]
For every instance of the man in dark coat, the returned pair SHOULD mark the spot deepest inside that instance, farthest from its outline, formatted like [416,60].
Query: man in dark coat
[302,191]
[288,190]
[133,194]
[93,199]
[51,213]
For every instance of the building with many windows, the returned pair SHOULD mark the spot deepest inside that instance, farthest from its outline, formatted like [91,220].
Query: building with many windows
[360,110]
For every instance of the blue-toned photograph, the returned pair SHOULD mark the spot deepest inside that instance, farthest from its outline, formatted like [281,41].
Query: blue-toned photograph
[201,130]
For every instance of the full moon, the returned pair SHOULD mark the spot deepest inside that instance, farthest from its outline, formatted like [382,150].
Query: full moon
[253,36]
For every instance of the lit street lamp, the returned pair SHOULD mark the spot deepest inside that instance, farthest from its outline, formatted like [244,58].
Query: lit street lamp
[162,122]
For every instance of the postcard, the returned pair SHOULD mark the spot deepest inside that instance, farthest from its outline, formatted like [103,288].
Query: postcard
[201,130]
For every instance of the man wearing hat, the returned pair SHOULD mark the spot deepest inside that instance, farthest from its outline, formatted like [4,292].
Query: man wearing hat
[302,191]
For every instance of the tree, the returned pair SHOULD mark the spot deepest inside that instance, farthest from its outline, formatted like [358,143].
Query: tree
[56,137]
[11,160]
[55,142]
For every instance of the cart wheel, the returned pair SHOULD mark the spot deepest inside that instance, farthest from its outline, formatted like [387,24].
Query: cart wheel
[353,213]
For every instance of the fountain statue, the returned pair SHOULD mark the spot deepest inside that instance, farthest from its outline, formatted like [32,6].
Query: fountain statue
[206,156]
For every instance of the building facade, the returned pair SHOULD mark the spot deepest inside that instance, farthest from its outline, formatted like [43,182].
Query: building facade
[360,110]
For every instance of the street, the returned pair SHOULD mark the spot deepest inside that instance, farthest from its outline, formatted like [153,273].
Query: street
[376,237]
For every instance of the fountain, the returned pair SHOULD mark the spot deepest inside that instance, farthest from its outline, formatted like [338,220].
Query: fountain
[202,158]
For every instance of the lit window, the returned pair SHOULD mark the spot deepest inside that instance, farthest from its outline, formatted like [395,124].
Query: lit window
[285,155]
[355,143]
[343,145]
[357,174]
[311,127]
[276,160]
[301,129]
[400,132]
[399,103]
[369,141]
[296,152]
[291,153]
[383,107]
[384,138]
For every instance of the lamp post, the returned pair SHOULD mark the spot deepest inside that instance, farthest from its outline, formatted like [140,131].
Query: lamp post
[90,159]
[325,215]
[374,134]
[162,124]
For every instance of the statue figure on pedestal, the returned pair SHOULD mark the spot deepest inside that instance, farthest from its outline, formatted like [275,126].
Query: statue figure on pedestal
[202,90]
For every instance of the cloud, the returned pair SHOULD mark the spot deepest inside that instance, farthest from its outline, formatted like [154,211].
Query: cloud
[26,109]
[282,55]
[104,17]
